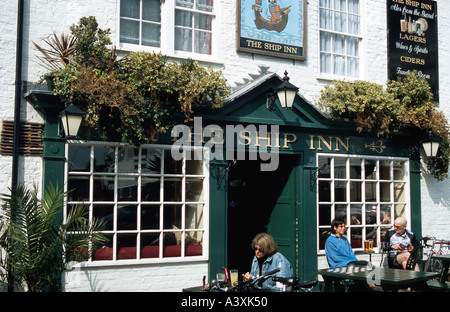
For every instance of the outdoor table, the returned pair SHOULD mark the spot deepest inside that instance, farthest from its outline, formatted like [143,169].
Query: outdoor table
[446,263]
[389,279]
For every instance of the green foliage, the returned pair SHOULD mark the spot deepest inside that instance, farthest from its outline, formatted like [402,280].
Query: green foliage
[407,100]
[37,247]
[137,97]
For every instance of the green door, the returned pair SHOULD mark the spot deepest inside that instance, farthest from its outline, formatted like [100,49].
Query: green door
[261,202]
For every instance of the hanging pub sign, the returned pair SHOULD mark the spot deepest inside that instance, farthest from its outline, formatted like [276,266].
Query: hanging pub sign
[413,40]
[272,27]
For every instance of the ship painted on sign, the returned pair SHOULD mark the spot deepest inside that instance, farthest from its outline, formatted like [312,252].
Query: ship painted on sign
[277,17]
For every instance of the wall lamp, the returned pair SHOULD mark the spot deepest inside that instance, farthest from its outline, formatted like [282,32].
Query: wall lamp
[71,118]
[285,92]
[431,144]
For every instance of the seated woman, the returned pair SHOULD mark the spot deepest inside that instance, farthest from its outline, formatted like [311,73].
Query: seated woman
[266,259]
[337,247]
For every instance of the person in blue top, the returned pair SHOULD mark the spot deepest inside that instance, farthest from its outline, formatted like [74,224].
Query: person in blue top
[266,259]
[337,247]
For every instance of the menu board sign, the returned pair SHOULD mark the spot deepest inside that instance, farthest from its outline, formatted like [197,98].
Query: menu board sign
[413,40]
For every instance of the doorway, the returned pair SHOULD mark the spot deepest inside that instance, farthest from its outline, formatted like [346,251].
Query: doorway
[262,201]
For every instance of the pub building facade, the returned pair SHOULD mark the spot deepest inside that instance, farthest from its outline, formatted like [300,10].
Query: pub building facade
[190,204]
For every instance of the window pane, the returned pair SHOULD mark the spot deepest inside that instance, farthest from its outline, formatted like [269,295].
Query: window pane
[150,217]
[399,192]
[355,168]
[325,42]
[385,191]
[355,191]
[128,160]
[79,158]
[151,161]
[172,189]
[371,191]
[194,190]
[371,214]
[370,169]
[127,217]
[324,214]
[353,24]
[202,42]
[150,245]
[172,216]
[202,21]
[183,18]
[326,21]
[324,167]
[325,63]
[324,191]
[130,8]
[105,212]
[172,166]
[339,65]
[129,31]
[340,5]
[340,170]
[204,5]
[355,214]
[193,243]
[353,6]
[127,189]
[194,163]
[194,217]
[183,39]
[399,170]
[385,170]
[103,189]
[79,186]
[340,191]
[150,189]
[400,211]
[185,3]
[126,246]
[340,211]
[151,34]
[151,10]
[104,159]
[340,22]
[385,214]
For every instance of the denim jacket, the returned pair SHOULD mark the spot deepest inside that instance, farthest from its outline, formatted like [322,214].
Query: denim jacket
[273,262]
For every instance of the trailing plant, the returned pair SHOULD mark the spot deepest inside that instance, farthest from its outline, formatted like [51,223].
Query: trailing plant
[407,100]
[135,98]
[36,246]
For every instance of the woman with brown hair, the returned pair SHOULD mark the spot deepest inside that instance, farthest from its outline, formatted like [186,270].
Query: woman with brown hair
[266,259]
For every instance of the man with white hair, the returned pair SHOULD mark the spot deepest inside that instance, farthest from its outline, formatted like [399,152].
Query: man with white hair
[401,244]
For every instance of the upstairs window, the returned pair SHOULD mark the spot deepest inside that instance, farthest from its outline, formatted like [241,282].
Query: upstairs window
[340,37]
[181,27]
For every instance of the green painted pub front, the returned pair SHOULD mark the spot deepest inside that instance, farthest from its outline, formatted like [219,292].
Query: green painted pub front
[245,200]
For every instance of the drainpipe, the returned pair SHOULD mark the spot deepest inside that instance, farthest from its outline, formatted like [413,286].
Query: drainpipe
[17,100]
[18,96]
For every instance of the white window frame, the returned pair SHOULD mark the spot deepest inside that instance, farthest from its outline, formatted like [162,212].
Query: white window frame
[168,34]
[114,232]
[363,226]
[332,76]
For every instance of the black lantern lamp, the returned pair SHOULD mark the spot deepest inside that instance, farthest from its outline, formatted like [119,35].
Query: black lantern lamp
[431,144]
[286,94]
[71,118]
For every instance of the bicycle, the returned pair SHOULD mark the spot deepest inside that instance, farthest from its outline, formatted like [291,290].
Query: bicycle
[292,284]
[430,243]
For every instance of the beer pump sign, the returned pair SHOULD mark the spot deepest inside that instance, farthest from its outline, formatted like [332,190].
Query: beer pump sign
[412,40]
